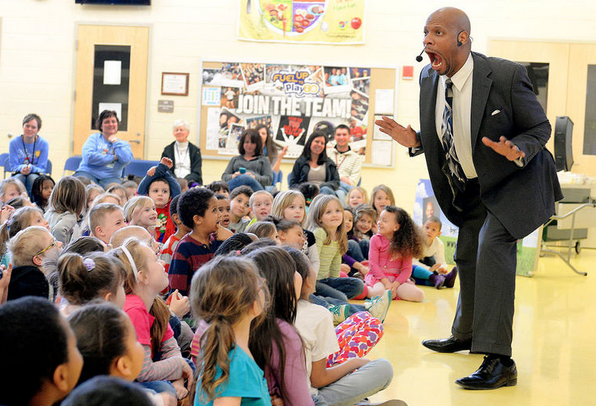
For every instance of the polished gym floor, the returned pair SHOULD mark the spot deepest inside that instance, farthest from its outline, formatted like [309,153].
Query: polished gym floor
[554,343]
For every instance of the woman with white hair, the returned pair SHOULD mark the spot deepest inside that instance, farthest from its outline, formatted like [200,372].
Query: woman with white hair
[185,155]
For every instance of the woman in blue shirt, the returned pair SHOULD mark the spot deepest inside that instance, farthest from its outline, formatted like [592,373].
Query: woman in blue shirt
[104,155]
[28,154]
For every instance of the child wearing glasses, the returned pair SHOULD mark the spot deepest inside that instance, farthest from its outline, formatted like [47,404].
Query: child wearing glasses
[28,249]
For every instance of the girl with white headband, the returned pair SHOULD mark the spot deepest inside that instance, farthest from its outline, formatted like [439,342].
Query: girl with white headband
[164,369]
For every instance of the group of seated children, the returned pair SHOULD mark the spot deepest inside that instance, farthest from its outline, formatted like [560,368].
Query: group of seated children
[267,278]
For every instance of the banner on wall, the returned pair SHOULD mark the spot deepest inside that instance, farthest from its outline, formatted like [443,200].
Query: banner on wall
[426,206]
[302,21]
[292,101]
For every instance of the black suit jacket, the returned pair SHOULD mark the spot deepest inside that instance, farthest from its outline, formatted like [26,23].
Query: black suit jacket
[503,103]
[196,161]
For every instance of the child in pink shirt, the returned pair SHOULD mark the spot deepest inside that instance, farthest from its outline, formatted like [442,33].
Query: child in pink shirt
[390,257]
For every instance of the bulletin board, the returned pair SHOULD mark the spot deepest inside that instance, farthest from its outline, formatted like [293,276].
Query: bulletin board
[293,100]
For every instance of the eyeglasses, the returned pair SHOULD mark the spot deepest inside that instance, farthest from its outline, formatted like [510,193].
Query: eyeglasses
[45,249]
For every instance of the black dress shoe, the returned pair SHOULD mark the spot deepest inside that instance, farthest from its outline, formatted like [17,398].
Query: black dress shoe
[492,374]
[450,344]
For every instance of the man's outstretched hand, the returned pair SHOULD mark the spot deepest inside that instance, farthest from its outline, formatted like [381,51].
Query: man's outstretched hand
[404,136]
[504,147]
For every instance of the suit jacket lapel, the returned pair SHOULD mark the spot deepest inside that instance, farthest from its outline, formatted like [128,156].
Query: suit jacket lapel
[480,90]
[428,88]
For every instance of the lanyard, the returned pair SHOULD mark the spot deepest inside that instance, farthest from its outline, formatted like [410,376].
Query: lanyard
[27,160]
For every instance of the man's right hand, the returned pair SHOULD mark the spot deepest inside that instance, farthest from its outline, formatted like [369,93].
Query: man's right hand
[404,136]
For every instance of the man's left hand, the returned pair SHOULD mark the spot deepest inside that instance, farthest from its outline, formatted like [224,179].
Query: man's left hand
[504,147]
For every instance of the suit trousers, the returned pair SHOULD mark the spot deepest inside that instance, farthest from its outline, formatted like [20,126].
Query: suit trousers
[486,261]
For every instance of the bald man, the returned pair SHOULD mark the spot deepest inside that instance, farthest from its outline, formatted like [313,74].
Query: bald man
[483,134]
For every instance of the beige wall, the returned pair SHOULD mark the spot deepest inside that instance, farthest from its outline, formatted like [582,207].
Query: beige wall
[37,57]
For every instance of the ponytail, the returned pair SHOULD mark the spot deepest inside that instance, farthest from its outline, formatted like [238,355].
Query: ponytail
[83,279]
[217,341]
[222,292]
[160,311]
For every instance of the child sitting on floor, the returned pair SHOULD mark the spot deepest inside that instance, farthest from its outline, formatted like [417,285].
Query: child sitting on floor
[239,208]
[337,373]
[260,204]
[170,245]
[391,253]
[164,369]
[161,186]
[41,362]
[140,211]
[227,294]
[197,209]
[431,269]
[105,219]
[223,205]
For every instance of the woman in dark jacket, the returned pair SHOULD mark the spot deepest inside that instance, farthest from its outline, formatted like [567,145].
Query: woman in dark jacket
[314,166]
[185,155]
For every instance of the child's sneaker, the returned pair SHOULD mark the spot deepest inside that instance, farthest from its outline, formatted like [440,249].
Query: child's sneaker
[340,313]
[378,306]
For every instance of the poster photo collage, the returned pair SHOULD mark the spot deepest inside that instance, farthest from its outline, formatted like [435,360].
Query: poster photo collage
[291,100]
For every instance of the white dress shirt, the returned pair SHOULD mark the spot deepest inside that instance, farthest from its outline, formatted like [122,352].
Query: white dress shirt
[461,113]
[182,153]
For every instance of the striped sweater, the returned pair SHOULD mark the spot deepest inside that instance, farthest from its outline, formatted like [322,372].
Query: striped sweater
[329,256]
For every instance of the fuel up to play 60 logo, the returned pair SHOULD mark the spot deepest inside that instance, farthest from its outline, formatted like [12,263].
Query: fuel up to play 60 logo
[294,83]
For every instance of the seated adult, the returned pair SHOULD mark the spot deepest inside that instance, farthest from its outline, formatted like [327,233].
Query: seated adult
[314,166]
[28,154]
[251,167]
[348,162]
[104,155]
[185,155]
[270,149]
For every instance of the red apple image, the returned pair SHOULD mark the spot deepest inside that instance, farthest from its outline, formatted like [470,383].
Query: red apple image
[356,23]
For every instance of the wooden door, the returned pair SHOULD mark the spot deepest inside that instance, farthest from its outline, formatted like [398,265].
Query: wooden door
[569,85]
[111,73]
[553,53]
[580,106]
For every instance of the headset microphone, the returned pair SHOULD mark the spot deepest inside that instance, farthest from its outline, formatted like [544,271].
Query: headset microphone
[419,57]
[459,43]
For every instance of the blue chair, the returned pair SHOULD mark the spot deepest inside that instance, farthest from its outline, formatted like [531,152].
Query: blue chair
[139,167]
[72,164]
[4,162]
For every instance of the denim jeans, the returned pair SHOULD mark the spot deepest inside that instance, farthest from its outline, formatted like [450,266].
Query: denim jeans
[327,301]
[160,387]
[355,251]
[27,180]
[244,180]
[102,182]
[354,387]
[339,288]
[339,193]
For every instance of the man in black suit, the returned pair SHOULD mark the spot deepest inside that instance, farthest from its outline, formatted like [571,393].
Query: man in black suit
[483,134]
